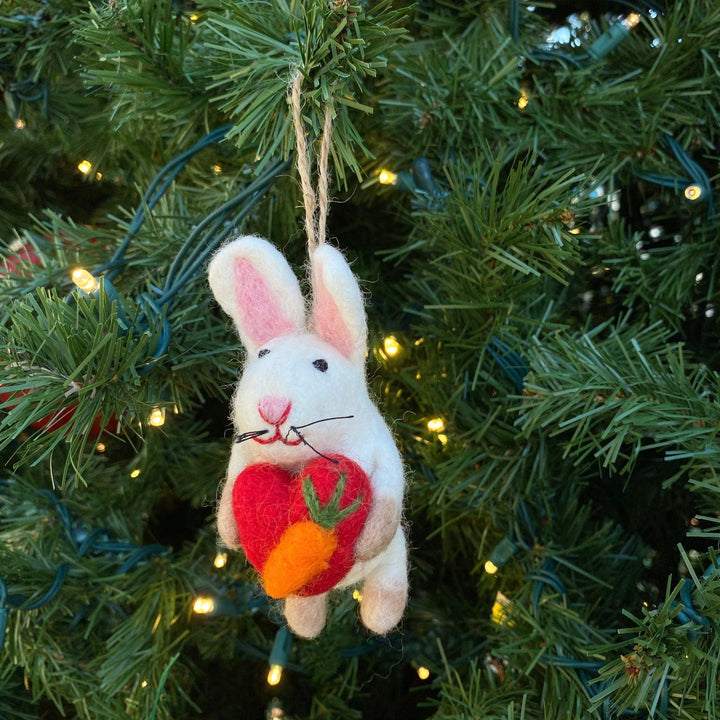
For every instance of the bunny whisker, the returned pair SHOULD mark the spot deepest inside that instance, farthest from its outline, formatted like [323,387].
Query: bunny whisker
[305,442]
[315,422]
[249,435]
[296,429]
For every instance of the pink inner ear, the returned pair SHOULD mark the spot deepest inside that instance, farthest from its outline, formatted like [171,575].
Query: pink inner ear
[328,320]
[261,316]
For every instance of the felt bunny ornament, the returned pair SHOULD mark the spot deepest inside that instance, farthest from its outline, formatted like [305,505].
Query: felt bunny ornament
[315,482]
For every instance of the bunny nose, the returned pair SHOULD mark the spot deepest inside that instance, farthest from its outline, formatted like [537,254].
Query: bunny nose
[274,410]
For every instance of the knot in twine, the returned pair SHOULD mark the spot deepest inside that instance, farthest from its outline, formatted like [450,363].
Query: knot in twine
[317,203]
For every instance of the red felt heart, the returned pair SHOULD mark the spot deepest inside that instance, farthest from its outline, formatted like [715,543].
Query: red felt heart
[267,500]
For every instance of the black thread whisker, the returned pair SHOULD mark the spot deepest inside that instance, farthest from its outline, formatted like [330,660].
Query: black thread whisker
[305,442]
[315,422]
[249,435]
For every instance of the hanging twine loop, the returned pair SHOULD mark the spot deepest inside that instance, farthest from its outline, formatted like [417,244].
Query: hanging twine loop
[317,203]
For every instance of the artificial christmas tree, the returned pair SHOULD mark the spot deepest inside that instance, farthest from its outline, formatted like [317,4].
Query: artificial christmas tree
[526,193]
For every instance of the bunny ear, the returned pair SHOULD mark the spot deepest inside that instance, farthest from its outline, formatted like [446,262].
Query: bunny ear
[338,313]
[256,287]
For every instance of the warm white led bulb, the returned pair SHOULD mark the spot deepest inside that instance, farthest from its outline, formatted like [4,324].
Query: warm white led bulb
[203,605]
[387,177]
[693,192]
[84,166]
[436,424]
[490,567]
[391,346]
[157,417]
[631,21]
[274,674]
[85,280]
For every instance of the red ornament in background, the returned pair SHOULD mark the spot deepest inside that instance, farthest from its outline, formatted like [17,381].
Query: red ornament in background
[56,420]
[23,254]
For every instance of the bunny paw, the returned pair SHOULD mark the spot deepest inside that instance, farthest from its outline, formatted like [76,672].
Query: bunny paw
[306,615]
[380,528]
[382,608]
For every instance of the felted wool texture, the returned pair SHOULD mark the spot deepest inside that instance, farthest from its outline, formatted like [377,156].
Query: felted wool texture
[268,500]
[306,615]
[261,314]
[303,553]
[338,306]
[325,476]
[380,530]
[279,302]
[287,370]
[261,505]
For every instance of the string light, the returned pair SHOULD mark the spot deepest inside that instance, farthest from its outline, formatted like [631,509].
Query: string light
[387,177]
[357,595]
[523,100]
[84,166]
[203,605]
[613,36]
[98,176]
[194,17]
[423,673]
[19,123]
[436,425]
[217,168]
[279,655]
[135,473]
[85,280]
[631,20]
[403,181]
[157,417]
[501,555]
[693,192]
[501,609]
[274,675]
[220,560]
[100,447]
[391,346]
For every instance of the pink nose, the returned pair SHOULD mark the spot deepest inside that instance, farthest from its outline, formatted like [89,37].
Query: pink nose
[274,410]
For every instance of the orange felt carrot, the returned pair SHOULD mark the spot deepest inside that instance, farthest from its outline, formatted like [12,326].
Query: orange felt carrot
[304,551]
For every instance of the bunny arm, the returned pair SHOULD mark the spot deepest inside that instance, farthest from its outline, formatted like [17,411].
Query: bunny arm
[240,458]
[226,524]
[387,480]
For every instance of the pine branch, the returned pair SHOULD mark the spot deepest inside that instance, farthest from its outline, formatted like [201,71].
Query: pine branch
[670,279]
[613,395]
[337,47]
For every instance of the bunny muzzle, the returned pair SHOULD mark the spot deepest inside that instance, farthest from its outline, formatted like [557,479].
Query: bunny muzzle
[275,411]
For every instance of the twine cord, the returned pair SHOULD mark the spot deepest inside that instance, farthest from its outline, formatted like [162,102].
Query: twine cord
[317,203]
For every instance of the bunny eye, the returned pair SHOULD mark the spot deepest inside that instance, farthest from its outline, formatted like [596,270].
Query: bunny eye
[320,364]
[263,352]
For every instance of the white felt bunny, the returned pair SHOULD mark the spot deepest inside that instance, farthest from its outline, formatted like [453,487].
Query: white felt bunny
[302,396]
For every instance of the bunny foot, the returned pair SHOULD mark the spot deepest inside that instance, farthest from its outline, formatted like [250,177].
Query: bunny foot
[306,615]
[385,590]
[382,608]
